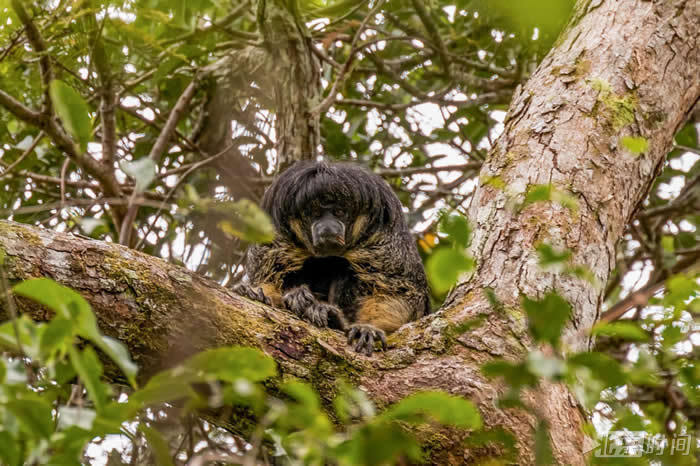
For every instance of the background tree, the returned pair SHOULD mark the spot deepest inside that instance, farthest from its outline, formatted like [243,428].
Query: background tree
[124,121]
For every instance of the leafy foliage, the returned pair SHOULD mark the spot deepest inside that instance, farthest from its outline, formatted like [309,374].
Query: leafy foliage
[420,101]
[40,423]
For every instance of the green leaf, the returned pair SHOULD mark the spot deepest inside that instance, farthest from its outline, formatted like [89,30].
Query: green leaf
[635,144]
[233,363]
[680,288]
[21,334]
[242,219]
[158,444]
[118,353]
[515,375]
[379,444]
[34,415]
[545,366]
[67,303]
[445,266]
[89,369]
[550,256]
[9,449]
[547,317]
[56,337]
[456,227]
[602,367]
[543,449]
[626,330]
[73,112]
[442,407]
[166,386]
[142,171]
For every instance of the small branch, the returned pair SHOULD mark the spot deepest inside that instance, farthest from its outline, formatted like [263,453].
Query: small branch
[107,99]
[215,25]
[111,201]
[415,170]
[192,168]
[30,149]
[345,70]
[173,119]
[156,151]
[641,296]
[39,47]
[19,110]
[434,34]
[687,149]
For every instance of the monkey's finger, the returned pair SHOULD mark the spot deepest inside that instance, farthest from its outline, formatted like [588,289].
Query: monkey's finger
[382,338]
[361,342]
[369,348]
[262,298]
[352,333]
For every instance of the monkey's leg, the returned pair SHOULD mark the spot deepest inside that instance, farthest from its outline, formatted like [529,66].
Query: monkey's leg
[377,316]
[266,293]
[302,302]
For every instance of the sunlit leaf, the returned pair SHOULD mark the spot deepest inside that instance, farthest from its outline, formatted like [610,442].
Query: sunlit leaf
[445,266]
[73,112]
[33,414]
[635,144]
[626,330]
[438,406]
[143,171]
[547,316]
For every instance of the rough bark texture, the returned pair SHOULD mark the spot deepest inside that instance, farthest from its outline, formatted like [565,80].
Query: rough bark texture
[624,68]
[297,78]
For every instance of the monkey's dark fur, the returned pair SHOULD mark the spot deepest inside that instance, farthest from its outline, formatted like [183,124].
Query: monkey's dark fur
[343,256]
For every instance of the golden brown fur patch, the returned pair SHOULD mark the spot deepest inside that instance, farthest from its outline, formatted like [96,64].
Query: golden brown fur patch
[384,312]
[358,227]
[272,292]
[298,230]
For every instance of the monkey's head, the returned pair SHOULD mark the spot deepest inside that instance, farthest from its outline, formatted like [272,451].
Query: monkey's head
[329,209]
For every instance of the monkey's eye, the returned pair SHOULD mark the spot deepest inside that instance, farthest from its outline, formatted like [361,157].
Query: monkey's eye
[339,213]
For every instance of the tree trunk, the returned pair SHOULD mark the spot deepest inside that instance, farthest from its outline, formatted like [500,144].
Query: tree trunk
[297,85]
[623,68]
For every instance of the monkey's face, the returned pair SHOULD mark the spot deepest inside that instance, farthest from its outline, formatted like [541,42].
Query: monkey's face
[328,230]
[331,209]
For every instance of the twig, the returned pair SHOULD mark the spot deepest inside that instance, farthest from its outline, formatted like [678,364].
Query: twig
[344,72]
[179,182]
[30,149]
[39,46]
[414,170]
[641,296]
[156,151]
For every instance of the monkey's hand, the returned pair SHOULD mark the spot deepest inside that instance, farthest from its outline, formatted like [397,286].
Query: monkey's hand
[302,302]
[364,336]
[256,294]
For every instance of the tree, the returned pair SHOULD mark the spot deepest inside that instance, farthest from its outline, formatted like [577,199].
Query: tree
[587,144]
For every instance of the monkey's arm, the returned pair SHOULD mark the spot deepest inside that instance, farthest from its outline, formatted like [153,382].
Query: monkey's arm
[264,267]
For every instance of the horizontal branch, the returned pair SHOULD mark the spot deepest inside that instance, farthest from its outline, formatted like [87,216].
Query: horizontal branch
[165,313]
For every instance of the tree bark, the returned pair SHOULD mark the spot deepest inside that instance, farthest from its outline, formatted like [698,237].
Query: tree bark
[297,85]
[622,68]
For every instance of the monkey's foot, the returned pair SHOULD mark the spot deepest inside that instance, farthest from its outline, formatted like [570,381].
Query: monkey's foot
[252,293]
[364,336]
